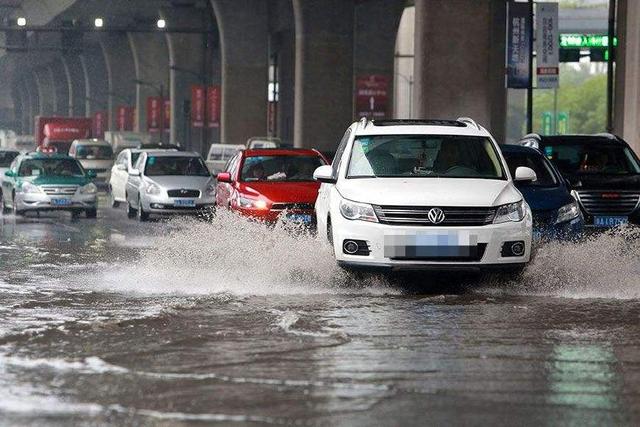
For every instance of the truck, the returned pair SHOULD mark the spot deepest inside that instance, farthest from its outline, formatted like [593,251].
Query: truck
[60,132]
[120,140]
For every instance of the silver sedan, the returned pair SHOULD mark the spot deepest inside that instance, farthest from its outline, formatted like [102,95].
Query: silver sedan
[169,183]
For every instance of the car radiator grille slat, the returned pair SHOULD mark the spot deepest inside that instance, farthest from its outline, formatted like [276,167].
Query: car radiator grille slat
[66,190]
[454,216]
[596,202]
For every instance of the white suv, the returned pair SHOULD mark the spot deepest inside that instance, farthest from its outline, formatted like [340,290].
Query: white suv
[414,194]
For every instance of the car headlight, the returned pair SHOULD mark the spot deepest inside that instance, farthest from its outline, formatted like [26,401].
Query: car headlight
[152,189]
[568,212]
[89,189]
[357,211]
[29,188]
[247,203]
[513,212]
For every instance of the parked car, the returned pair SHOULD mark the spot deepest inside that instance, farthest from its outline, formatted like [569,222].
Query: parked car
[556,213]
[263,142]
[120,171]
[41,182]
[423,194]
[169,182]
[94,155]
[262,184]
[219,155]
[603,171]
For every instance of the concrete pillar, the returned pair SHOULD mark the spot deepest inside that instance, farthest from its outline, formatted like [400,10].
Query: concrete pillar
[61,88]
[120,68]
[31,89]
[627,93]
[377,24]
[189,64]
[25,117]
[46,94]
[18,106]
[151,64]
[95,77]
[459,61]
[324,72]
[77,85]
[243,32]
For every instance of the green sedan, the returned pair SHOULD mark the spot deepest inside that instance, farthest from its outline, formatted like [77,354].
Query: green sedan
[48,182]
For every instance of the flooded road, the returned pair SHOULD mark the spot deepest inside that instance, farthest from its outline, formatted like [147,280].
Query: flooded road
[112,322]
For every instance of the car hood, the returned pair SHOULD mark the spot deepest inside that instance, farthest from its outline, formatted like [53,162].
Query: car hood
[282,192]
[545,198]
[179,181]
[605,182]
[448,192]
[55,180]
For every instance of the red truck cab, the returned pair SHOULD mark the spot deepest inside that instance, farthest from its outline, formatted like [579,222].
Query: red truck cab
[60,132]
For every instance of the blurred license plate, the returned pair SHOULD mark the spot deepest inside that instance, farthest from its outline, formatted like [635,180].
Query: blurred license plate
[431,245]
[184,203]
[60,202]
[610,221]
[303,218]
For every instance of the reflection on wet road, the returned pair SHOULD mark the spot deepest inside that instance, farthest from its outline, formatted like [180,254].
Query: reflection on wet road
[111,322]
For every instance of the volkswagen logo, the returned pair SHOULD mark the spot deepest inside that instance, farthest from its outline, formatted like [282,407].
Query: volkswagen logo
[436,215]
[183,191]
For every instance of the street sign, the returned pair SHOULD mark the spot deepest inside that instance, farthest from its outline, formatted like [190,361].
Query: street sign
[548,56]
[585,41]
[518,46]
[372,96]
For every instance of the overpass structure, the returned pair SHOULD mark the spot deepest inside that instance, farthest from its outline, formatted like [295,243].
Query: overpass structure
[284,67]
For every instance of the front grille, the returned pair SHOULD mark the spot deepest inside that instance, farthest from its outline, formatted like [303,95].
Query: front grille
[418,215]
[183,193]
[62,190]
[292,206]
[609,202]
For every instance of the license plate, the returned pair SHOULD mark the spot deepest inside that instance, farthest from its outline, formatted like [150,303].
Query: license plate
[302,218]
[609,221]
[430,245]
[184,203]
[60,202]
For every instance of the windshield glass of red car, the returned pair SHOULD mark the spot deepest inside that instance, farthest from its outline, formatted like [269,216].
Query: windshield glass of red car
[587,158]
[280,168]
[175,166]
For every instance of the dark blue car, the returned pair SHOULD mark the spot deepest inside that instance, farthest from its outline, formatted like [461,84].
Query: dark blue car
[555,212]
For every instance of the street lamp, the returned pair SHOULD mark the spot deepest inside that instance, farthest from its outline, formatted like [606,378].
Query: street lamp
[161,23]
[21,21]
[98,23]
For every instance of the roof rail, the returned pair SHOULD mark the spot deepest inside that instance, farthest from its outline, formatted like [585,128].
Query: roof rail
[469,121]
[416,122]
[606,135]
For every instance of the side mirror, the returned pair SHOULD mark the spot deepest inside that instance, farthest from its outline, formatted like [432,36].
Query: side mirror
[224,177]
[524,174]
[9,173]
[134,172]
[324,174]
[91,174]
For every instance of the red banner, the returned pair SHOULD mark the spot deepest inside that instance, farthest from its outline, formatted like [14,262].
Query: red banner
[99,124]
[153,113]
[272,118]
[372,93]
[166,122]
[124,118]
[213,106]
[197,106]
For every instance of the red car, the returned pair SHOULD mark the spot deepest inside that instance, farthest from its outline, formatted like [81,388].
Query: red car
[265,183]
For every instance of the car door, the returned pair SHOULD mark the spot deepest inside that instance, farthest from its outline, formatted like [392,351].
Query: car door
[119,177]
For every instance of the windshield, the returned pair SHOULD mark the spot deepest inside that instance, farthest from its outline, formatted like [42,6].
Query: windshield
[6,157]
[280,168]
[544,174]
[62,147]
[50,167]
[591,158]
[424,156]
[94,152]
[175,166]
[222,153]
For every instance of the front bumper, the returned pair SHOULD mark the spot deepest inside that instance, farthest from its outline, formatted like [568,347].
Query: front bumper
[44,202]
[165,205]
[491,238]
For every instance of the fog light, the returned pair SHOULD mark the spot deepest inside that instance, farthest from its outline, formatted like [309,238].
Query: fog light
[350,247]
[157,206]
[517,249]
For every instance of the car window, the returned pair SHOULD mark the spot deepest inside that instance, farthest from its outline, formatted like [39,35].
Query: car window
[592,158]
[416,156]
[335,165]
[94,152]
[280,168]
[6,157]
[537,162]
[175,166]
[50,167]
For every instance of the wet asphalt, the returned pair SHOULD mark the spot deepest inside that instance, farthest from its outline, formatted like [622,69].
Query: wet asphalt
[220,322]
